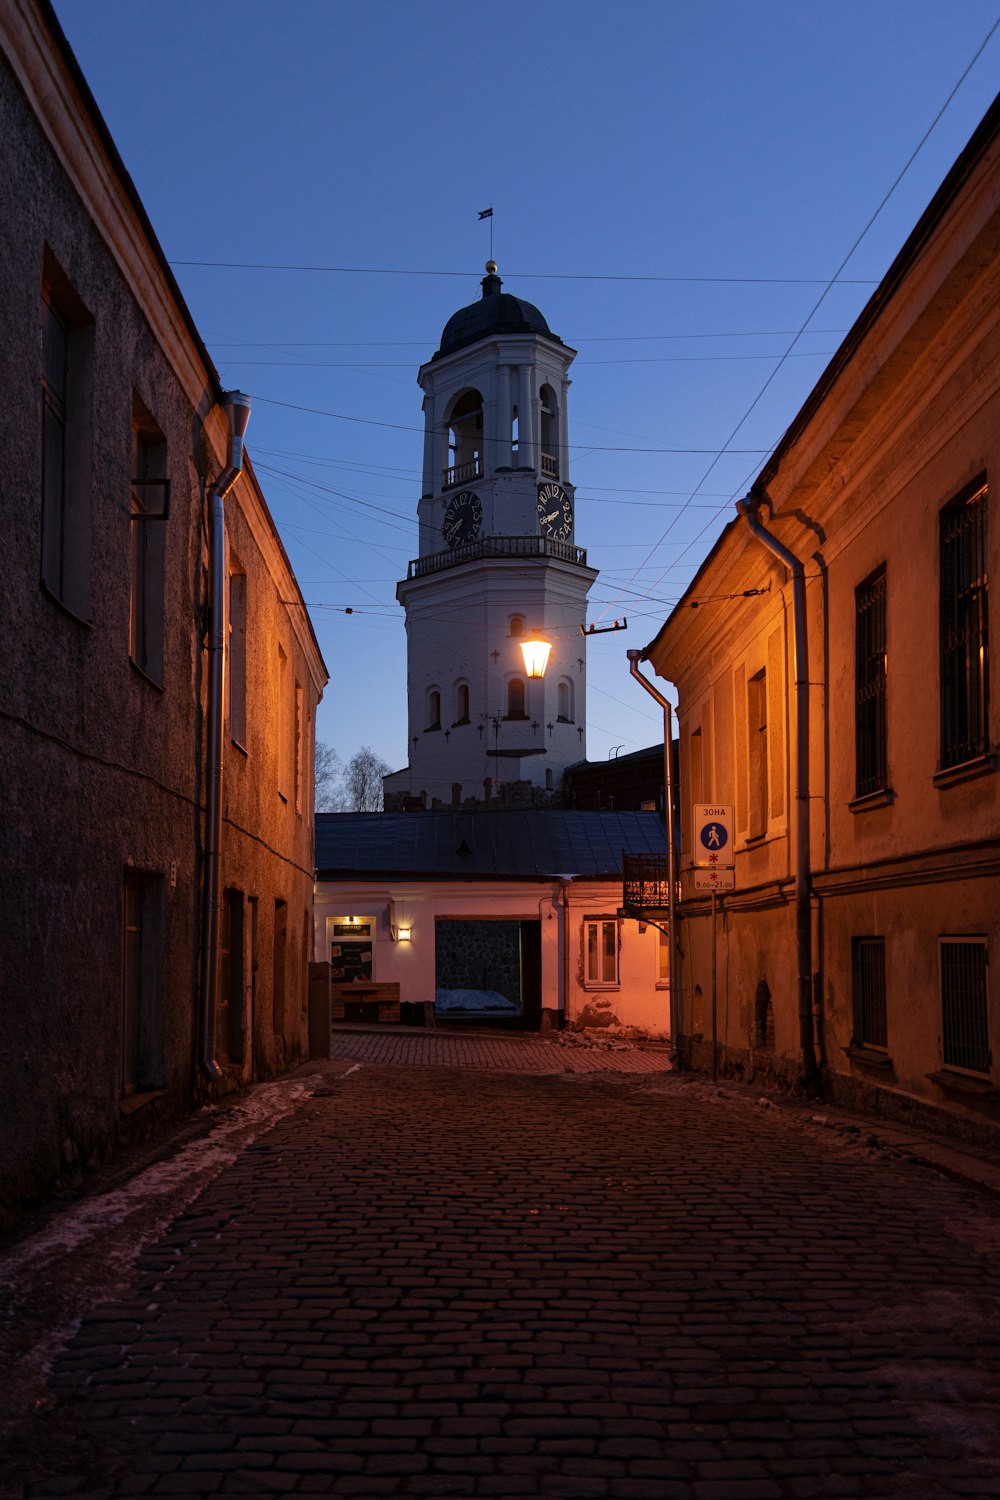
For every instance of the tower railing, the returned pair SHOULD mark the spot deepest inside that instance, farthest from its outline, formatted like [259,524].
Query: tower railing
[497,546]
[463,473]
[550,466]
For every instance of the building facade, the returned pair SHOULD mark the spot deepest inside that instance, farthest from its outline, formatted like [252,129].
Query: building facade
[845,707]
[513,916]
[134,630]
[498,562]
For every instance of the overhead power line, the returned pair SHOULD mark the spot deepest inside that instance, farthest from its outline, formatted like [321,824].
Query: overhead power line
[252,265]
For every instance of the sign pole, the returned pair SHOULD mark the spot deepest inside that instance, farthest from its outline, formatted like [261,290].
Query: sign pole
[715,1050]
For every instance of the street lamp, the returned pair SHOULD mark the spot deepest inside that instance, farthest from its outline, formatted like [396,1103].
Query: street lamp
[536,655]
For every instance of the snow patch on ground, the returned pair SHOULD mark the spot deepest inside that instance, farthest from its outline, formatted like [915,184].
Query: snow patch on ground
[481,1002]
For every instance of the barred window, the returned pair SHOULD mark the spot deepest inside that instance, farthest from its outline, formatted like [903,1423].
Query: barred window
[868,990]
[965,1031]
[870,684]
[964,633]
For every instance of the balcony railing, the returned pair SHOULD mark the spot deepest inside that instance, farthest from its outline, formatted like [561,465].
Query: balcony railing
[646,882]
[550,466]
[463,473]
[497,546]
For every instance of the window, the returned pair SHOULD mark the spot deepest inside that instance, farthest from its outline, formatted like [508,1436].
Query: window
[147,524]
[564,701]
[278,979]
[352,950]
[465,439]
[870,685]
[868,991]
[964,628]
[462,703]
[516,625]
[236,679]
[299,750]
[757,739]
[283,730]
[67,338]
[229,1005]
[142,984]
[601,942]
[434,709]
[549,432]
[965,1032]
[515,699]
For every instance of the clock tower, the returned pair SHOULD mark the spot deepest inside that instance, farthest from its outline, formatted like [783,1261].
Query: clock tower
[498,562]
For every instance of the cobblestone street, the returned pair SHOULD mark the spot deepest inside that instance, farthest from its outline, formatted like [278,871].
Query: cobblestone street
[569,1280]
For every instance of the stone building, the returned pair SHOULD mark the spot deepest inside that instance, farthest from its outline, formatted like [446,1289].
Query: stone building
[846,709]
[158,678]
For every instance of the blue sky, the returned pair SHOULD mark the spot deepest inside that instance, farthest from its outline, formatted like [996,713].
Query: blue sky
[674,185]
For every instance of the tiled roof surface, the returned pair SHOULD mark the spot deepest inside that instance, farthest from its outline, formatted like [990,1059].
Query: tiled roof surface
[511,844]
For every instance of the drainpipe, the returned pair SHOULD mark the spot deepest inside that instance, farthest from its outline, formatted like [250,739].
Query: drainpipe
[803,864]
[237,407]
[634,657]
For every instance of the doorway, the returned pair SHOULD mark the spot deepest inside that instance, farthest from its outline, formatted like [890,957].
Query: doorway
[488,972]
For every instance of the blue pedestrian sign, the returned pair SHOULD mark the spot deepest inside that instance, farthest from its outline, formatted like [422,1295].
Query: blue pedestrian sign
[713,837]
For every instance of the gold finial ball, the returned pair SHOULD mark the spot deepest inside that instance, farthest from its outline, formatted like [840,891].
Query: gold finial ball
[491,268]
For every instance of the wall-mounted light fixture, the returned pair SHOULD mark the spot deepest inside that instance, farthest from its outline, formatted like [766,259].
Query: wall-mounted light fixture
[403,934]
[535,651]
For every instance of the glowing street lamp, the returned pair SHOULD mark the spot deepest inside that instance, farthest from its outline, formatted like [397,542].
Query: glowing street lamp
[536,655]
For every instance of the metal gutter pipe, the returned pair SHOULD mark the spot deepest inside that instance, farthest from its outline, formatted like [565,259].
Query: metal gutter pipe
[237,408]
[634,657]
[803,862]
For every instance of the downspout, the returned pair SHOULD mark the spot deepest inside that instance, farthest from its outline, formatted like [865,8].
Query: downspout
[237,407]
[634,657]
[803,861]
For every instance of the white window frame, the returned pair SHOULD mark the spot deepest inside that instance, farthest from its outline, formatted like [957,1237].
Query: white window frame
[594,945]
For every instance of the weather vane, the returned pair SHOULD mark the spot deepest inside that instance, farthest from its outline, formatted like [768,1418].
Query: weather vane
[487,213]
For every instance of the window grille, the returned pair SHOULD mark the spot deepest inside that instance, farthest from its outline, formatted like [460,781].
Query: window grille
[964,633]
[868,969]
[965,1038]
[870,684]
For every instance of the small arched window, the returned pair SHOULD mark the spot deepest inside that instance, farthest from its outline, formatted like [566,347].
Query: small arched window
[549,432]
[516,625]
[434,709]
[515,699]
[564,701]
[461,703]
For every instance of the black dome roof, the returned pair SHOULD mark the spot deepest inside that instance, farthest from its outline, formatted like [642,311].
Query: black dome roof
[496,312]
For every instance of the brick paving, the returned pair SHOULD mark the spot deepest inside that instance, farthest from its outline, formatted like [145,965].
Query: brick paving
[477,1281]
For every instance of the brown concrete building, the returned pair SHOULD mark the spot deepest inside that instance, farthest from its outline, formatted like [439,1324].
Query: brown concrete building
[157,689]
[846,711]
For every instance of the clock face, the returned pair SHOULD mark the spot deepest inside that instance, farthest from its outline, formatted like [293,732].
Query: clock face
[555,513]
[462,518]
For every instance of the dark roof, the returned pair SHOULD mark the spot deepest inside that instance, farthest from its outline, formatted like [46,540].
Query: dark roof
[530,844]
[495,312]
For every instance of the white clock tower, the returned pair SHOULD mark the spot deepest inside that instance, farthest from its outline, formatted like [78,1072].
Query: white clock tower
[498,562]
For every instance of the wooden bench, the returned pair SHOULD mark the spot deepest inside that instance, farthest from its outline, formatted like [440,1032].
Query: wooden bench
[364,1002]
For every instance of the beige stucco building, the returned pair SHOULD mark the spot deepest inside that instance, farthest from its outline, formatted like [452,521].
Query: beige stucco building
[158,677]
[845,707]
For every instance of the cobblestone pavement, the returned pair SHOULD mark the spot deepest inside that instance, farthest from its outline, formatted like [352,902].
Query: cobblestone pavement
[560,1052]
[463,1281]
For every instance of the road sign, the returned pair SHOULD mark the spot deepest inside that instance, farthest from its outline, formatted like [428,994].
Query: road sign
[713,837]
[715,880]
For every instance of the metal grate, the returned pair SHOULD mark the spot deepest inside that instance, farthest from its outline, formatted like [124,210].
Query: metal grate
[646,882]
[869,709]
[964,629]
[868,967]
[965,1031]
